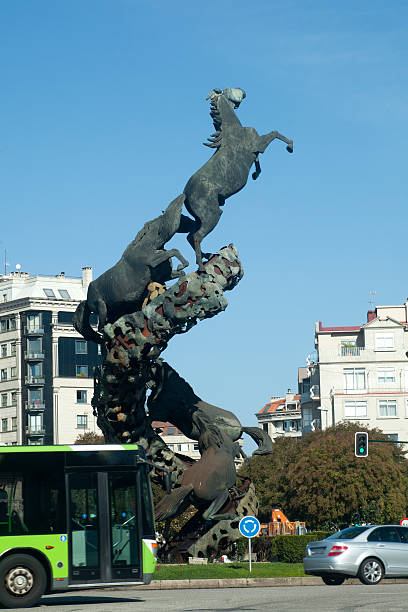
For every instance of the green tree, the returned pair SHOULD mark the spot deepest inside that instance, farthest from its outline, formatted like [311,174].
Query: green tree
[321,482]
[89,437]
[268,473]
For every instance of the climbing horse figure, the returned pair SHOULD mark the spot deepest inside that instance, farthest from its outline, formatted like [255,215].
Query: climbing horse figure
[226,172]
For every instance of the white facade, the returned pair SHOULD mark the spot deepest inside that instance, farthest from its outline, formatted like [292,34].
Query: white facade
[281,417]
[363,372]
[38,404]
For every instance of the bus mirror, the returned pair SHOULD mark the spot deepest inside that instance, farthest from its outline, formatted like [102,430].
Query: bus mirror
[167,481]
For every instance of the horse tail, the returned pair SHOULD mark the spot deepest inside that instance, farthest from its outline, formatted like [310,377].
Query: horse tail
[80,321]
[262,439]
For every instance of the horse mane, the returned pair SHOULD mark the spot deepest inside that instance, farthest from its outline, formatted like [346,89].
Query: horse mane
[215,140]
[222,112]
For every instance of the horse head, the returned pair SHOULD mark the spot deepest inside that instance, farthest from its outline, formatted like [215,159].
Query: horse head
[234,95]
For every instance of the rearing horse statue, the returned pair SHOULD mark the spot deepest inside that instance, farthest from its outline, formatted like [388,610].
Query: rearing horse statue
[226,172]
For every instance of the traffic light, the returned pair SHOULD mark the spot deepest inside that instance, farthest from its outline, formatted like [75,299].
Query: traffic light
[361,444]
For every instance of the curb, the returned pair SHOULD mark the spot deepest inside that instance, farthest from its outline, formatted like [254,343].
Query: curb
[229,583]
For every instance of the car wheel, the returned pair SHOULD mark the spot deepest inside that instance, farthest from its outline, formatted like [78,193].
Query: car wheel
[371,571]
[333,579]
[22,581]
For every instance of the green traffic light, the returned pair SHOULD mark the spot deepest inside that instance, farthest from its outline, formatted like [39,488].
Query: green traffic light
[361,450]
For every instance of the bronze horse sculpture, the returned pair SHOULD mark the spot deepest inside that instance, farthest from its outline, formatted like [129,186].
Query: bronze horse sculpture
[226,172]
[173,399]
[205,483]
[123,288]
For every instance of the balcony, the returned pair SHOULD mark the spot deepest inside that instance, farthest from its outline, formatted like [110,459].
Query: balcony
[378,390]
[34,380]
[34,406]
[35,431]
[351,351]
[33,331]
[33,356]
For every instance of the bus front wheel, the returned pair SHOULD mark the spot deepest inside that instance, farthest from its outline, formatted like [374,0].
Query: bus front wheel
[22,581]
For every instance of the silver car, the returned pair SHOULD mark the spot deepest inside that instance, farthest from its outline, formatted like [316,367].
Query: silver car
[369,552]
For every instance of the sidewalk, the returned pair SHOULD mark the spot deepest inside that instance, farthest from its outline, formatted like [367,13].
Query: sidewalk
[225,583]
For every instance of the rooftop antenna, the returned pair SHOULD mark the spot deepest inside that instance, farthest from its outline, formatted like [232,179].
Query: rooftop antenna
[6,263]
[373,293]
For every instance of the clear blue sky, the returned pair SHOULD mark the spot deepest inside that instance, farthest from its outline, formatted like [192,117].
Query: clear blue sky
[103,113]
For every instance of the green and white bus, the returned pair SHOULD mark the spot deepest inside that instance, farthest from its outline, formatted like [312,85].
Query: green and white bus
[73,517]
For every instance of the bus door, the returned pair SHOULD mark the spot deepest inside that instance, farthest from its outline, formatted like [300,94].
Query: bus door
[104,531]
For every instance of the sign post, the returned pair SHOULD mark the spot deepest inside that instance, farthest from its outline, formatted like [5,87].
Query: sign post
[249,527]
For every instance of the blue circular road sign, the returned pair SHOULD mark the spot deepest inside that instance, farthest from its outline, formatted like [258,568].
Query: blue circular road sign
[249,526]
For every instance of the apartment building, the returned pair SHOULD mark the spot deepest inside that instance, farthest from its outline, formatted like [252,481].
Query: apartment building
[46,367]
[281,416]
[362,371]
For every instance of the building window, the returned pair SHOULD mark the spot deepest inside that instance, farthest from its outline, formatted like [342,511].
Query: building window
[170,431]
[81,397]
[4,424]
[384,342]
[393,437]
[171,446]
[306,385]
[34,322]
[354,409]
[13,398]
[81,347]
[4,350]
[265,427]
[49,293]
[81,370]
[12,323]
[35,347]
[64,294]
[35,423]
[354,379]
[82,421]
[3,400]
[13,423]
[13,372]
[385,375]
[195,447]
[178,447]
[387,408]
[35,396]
[35,371]
[13,349]
[3,374]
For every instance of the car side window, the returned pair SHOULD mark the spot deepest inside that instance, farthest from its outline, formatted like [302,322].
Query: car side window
[403,534]
[384,534]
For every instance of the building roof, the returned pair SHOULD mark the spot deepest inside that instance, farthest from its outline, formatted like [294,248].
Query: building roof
[168,429]
[273,406]
[351,328]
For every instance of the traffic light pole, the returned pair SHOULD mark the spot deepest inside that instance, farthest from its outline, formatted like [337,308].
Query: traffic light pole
[390,441]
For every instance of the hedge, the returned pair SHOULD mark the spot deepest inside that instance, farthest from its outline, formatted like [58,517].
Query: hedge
[285,548]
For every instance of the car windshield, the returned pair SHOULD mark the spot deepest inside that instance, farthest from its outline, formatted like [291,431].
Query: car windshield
[347,534]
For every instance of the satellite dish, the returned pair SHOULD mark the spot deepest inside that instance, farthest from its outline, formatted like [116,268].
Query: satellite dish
[18,266]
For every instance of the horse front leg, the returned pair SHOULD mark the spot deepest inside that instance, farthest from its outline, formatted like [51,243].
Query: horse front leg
[257,168]
[266,139]
[160,256]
